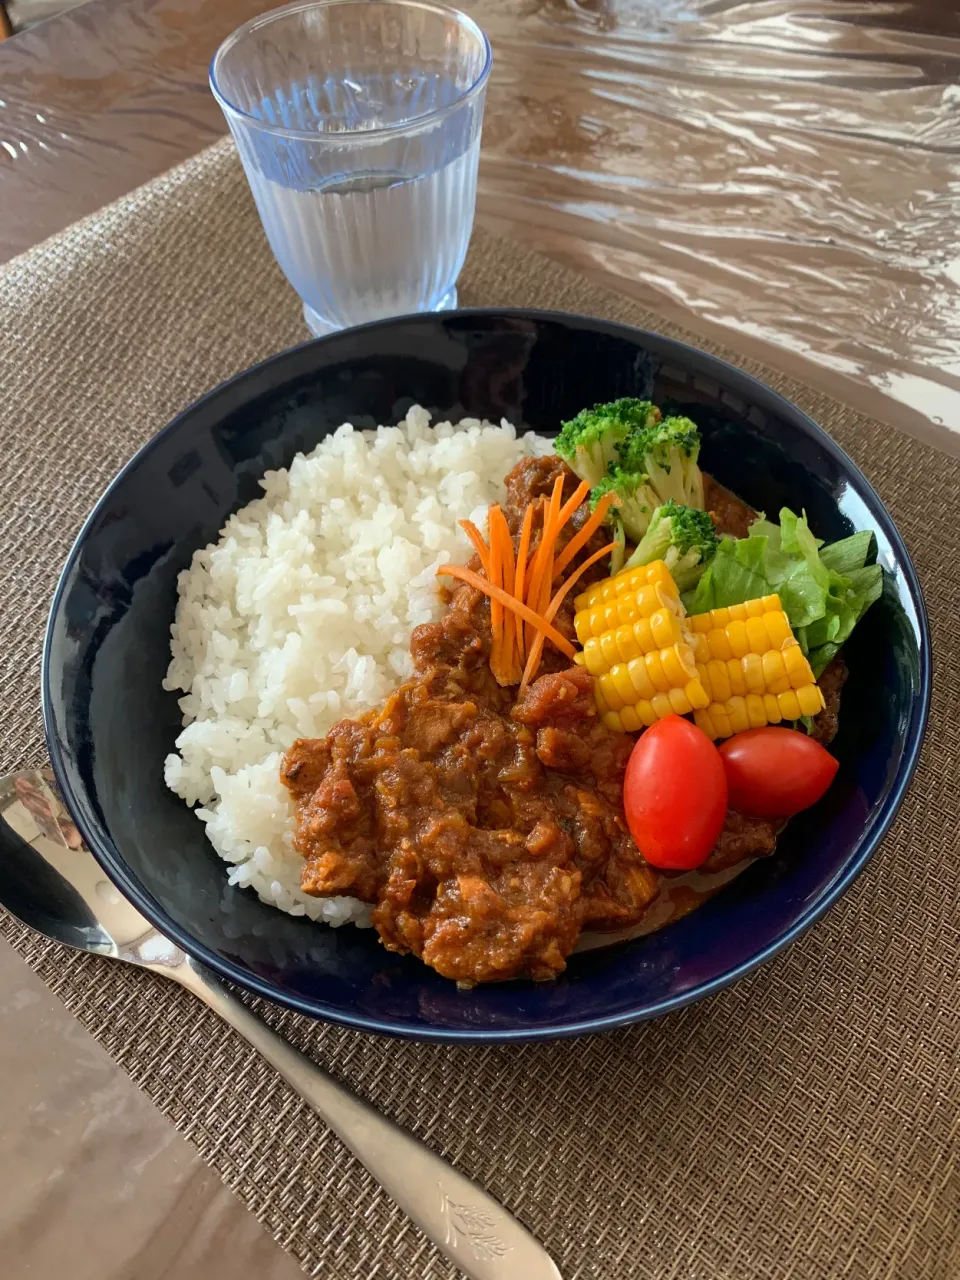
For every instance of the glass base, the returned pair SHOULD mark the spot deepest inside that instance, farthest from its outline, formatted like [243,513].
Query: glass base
[319,326]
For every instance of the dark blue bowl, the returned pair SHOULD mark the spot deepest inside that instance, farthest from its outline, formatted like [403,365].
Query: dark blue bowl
[109,724]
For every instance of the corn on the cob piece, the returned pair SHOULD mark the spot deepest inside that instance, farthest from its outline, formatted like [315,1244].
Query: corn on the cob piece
[636,644]
[751,667]
[603,647]
[628,580]
[634,695]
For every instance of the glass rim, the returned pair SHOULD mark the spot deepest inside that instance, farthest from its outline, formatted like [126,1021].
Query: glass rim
[355,136]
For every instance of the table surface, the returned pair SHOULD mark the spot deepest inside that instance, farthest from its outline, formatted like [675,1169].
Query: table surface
[782,175]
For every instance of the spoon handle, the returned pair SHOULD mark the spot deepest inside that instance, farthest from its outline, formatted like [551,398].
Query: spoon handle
[465,1223]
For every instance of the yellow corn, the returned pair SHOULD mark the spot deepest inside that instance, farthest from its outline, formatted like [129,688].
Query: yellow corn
[644,601]
[752,668]
[635,641]
[657,631]
[629,580]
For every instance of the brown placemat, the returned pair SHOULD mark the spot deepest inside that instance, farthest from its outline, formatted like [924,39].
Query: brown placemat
[802,1124]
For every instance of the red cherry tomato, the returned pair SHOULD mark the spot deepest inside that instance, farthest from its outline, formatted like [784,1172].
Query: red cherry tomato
[774,773]
[675,794]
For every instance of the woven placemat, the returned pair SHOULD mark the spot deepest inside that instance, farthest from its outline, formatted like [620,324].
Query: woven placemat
[802,1124]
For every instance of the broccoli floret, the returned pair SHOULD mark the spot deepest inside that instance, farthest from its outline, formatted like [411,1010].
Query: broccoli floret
[682,536]
[619,552]
[667,452]
[588,443]
[633,504]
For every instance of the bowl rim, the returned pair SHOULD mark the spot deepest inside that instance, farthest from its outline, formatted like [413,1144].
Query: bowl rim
[117,870]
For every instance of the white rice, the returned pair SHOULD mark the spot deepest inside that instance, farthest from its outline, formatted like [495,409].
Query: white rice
[301,614]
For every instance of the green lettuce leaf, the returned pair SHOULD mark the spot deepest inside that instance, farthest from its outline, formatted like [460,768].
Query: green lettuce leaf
[849,553]
[780,559]
[741,570]
[825,590]
[850,597]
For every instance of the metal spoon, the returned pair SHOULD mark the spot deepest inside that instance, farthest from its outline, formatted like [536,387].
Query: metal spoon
[51,881]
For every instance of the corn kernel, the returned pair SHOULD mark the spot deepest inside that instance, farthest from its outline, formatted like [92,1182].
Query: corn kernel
[777,628]
[628,608]
[798,668]
[716,680]
[755,710]
[773,668]
[719,644]
[630,720]
[661,705]
[665,628]
[701,647]
[608,647]
[609,691]
[655,671]
[722,724]
[811,699]
[651,598]
[626,643]
[679,702]
[738,686]
[736,709]
[696,694]
[675,670]
[752,667]
[620,675]
[757,637]
[771,708]
[686,656]
[737,636]
[789,705]
[643,635]
[646,712]
[643,686]
[593,657]
[612,721]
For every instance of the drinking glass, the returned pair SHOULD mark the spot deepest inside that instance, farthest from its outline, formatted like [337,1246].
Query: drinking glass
[358,124]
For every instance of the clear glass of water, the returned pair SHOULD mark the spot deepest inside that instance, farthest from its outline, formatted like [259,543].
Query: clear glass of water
[358,123]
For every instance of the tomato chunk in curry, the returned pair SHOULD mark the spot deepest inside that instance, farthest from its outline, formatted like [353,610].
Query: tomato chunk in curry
[486,830]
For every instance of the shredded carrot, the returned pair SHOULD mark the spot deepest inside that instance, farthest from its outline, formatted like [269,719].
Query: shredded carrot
[476,537]
[495,574]
[522,587]
[542,571]
[532,577]
[523,550]
[497,593]
[571,504]
[580,539]
[504,658]
[536,649]
[562,515]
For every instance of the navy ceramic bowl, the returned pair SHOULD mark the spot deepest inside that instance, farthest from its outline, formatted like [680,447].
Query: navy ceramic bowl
[109,724]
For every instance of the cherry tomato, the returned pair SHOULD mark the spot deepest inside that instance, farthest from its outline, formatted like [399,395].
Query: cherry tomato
[774,773]
[675,794]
